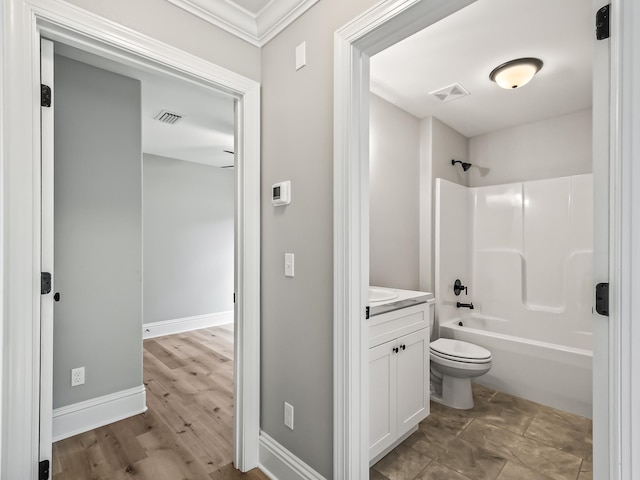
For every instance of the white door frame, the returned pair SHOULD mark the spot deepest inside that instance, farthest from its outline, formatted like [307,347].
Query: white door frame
[375,30]
[24,21]
[624,241]
[46,257]
[378,28]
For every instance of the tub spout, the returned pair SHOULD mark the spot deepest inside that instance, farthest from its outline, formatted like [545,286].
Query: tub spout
[465,305]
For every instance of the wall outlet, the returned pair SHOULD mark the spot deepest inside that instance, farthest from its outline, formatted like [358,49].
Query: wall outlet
[77,376]
[288,415]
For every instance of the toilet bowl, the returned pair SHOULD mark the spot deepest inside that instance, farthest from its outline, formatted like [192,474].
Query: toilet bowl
[453,364]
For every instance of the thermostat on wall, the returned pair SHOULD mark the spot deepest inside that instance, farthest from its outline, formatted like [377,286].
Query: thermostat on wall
[281,193]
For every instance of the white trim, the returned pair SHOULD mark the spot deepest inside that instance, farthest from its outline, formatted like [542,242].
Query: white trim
[97,412]
[64,22]
[46,301]
[625,232]
[276,462]
[256,29]
[246,407]
[229,17]
[186,324]
[277,16]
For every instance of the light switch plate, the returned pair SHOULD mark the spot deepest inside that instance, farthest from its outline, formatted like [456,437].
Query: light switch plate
[289,264]
[301,55]
[288,415]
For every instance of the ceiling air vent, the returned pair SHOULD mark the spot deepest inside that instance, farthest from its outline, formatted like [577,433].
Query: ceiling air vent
[168,117]
[449,93]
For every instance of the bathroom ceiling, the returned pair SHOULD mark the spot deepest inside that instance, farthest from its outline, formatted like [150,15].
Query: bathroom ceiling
[464,47]
[206,128]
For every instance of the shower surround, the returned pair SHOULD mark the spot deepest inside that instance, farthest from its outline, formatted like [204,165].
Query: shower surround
[525,252]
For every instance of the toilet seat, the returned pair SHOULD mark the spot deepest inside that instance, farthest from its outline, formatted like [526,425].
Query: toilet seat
[459,351]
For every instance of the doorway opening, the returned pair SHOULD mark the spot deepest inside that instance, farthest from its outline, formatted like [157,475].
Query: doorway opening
[358,42]
[68,24]
[493,190]
[145,197]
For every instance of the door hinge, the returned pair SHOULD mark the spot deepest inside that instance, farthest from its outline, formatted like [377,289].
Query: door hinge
[602,23]
[44,470]
[45,283]
[45,95]
[366,313]
[602,299]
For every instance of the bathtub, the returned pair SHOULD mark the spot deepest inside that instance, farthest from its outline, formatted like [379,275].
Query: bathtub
[559,376]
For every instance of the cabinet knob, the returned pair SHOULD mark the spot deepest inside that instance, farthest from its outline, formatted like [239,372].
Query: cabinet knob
[396,349]
[403,347]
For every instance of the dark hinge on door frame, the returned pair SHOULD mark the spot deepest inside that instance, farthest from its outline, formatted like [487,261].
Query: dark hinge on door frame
[366,313]
[45,283]
[602,299]
[45,95]
[602,23]
[44,470]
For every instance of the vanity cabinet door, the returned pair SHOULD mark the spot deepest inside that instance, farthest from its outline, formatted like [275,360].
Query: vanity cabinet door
[382,397]
[412,380]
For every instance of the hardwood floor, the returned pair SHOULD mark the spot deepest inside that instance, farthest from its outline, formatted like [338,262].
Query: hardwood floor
[187,431]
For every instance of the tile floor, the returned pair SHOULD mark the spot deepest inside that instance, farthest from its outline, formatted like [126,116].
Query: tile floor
[502,438]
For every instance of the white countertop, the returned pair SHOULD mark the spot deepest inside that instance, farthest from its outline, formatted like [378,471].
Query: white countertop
[405,298]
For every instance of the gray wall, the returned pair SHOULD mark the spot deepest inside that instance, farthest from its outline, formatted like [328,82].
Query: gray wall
[98,232]
[439,144]
[448,144]
[188,249]
[174,26]
[297,313]
[394,213]
[555,147]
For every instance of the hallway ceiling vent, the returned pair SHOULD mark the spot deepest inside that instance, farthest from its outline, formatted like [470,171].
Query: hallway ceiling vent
[168,117]
[449,93]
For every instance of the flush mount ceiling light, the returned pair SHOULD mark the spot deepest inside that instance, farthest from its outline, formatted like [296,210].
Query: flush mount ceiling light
[516,73]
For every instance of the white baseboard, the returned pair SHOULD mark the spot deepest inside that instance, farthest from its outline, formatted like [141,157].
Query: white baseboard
[278,463]
[186,324]
[97,412]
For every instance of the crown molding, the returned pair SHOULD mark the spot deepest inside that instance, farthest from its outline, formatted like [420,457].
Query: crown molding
[256,29]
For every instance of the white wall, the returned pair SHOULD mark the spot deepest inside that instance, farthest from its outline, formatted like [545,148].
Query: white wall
[525,250]
[439,144]
[188,249]
[393,193]
[453,228]
[555,147]
[550,148]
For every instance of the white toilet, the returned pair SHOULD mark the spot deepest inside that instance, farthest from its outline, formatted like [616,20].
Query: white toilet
[454,363]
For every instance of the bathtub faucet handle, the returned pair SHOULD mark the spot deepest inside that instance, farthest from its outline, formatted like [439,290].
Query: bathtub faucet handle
[459,287]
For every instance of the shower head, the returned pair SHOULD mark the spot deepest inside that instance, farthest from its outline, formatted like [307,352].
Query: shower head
[465,166]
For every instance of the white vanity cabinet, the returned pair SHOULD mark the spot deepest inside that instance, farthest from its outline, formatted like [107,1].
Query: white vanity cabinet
[398,376]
